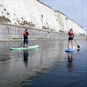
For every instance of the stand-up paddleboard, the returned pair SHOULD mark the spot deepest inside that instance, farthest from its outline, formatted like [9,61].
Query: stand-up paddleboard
[24,48]
[70,49]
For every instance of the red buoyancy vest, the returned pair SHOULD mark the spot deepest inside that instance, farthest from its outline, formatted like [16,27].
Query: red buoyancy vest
[71,34]
[25,34]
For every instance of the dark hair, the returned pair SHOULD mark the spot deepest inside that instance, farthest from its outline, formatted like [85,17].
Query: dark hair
[71,29]
[25,29]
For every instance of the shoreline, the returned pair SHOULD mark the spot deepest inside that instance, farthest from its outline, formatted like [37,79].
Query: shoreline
[10,32]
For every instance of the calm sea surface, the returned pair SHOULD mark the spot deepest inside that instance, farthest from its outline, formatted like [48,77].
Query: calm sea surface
[46,66]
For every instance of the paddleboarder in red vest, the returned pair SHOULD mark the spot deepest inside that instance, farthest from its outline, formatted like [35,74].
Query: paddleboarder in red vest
[26,34]
[71,36]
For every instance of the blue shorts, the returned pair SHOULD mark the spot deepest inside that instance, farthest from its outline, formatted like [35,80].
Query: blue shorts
[26,41]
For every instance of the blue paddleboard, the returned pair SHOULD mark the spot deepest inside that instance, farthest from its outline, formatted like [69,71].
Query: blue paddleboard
[70,49]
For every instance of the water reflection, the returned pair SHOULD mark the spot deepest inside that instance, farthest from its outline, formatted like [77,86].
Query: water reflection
[50,54]
[25,56]
[78,49]
[70,61]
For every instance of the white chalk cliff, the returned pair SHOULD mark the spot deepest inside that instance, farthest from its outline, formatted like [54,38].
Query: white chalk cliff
[36,14]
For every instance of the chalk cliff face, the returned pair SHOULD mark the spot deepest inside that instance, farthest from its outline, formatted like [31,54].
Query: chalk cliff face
[36,14]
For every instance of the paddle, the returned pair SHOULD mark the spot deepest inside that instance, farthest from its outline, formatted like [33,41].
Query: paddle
[77,43]
[21,45]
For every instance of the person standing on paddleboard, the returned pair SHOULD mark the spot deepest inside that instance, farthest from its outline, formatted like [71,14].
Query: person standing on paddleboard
[26,34]
[71,36]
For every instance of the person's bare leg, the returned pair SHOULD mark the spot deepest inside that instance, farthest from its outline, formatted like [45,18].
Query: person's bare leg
[72,43]
[68,43]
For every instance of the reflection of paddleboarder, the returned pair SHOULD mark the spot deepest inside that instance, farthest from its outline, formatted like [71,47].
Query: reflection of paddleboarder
[70,60]
[25,54]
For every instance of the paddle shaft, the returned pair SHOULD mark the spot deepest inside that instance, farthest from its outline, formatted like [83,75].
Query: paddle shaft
[77,43]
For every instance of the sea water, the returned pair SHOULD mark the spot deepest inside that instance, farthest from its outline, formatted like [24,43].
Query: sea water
[47,66]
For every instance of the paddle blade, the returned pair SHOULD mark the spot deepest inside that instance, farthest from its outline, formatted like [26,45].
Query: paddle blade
[78,46]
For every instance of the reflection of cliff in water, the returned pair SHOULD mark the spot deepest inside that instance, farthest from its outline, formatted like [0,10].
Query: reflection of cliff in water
[4,58]
[4,52]
[39,60]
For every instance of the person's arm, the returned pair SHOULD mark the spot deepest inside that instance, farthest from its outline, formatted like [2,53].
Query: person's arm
[73,34]
[27,33]
[68,32]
